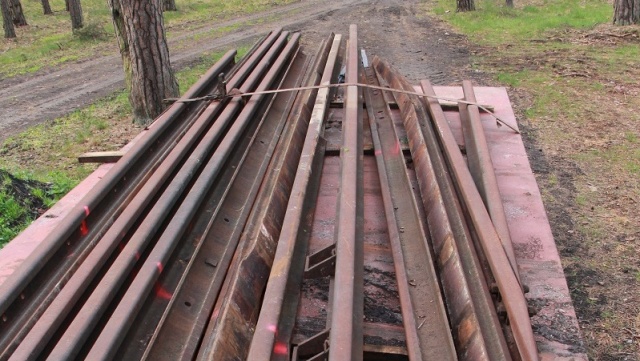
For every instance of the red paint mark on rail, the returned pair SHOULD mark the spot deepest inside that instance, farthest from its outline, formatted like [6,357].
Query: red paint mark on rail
[280,348]
[161,292]
[84,229]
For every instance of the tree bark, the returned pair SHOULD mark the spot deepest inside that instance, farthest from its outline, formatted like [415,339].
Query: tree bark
[626,12]
[75,11]
[7,21]
[140,31]
[66,5]
[123,43]
[510,3]
[46,7]
[17,13]
[465,5]
[170,5]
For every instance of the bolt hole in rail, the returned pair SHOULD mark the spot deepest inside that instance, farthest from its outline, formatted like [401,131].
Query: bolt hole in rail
[317,223]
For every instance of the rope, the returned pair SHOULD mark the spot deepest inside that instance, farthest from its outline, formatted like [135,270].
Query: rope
[236,93]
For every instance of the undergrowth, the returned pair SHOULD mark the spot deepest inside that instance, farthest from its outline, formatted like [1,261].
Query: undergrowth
[24,197]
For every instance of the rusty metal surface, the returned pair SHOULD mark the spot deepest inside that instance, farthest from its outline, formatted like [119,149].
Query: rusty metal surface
[507,282]
[423,311]
[90,268]
[148,232]
[474,278]
[117,326]
[346,304]
[359,240]
[482,170]
[214,238]
[271,332]
[383,319]
[556,329]
[238,199]
[471,313]
[234,321]
[35,310]
[234,317]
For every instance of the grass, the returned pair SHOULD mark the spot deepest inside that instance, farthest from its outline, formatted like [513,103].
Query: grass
[579,74]
[495,23]
[48,40]
[23,197]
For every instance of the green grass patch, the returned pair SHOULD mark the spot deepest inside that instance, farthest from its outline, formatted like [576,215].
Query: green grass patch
[512,79]
[544,48]
[622,159]
[48,40]
[495,23]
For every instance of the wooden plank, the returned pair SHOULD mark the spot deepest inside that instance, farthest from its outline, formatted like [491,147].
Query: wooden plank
[101,157]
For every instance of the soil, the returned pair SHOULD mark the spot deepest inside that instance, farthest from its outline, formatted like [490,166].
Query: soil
[23,192]
[417,45]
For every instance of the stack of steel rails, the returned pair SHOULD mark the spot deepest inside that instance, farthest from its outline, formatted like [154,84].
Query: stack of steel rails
[327,222]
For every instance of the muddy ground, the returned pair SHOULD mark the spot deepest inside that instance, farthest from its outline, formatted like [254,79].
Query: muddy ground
[419,46]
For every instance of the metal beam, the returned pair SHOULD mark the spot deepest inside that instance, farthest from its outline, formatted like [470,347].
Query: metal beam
[345,339]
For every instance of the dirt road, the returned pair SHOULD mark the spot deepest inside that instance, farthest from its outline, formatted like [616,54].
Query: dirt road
[393,29]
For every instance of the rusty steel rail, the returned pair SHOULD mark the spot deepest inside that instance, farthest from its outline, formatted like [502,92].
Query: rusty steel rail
[481,168]
[119,322]
[271,331]
[209,249]
[177,153]
[25,295]
[228,329]
[423,311]
[491,246]
[472,315]
[197,244]
[90,314]
[346,304]
[133,170]
[59,308]
[60,268]
[486,314]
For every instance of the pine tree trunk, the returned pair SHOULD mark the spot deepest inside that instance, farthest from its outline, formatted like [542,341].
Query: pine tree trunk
[123,43]
[46,7]
[17,13]
[149,77]
[465,5]
[9,30]
[626,12]
[510,3]
[75,11]
[170,5]
[66,5]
